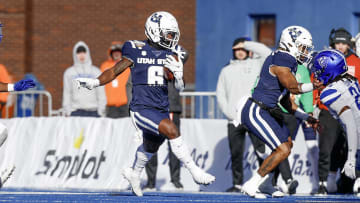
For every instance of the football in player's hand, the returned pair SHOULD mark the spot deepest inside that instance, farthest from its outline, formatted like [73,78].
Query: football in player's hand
[167,73]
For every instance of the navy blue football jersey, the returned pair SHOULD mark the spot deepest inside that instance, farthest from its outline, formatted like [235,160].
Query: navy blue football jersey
[147,75]
[269,90]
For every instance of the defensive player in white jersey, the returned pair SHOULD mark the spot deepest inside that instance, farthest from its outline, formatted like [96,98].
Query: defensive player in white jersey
[341,94]
[9,87]
[149,107]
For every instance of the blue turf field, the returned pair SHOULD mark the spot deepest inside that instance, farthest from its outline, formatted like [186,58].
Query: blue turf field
[12,195]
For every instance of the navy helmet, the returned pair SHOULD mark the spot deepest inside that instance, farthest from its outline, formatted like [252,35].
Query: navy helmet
[328,64]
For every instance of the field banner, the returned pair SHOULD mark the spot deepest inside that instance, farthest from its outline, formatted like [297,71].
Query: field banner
[90,153]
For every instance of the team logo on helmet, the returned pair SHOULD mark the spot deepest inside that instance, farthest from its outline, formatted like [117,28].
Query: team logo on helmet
[294,33]
[323,61]
[156,18]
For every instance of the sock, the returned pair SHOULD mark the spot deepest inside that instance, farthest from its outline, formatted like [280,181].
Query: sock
[258,179]
[141,159]
[181,151]
[324,183]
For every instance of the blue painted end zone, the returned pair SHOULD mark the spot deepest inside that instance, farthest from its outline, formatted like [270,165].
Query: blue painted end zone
[26,195]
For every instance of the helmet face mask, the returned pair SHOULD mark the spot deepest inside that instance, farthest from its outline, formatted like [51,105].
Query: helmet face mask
[168,38]
[297,41]
[327,65]
[162,28]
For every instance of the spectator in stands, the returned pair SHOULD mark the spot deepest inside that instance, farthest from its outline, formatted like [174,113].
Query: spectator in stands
[236,79]
[4,78]
[82,102]
[174,163]
[118,92]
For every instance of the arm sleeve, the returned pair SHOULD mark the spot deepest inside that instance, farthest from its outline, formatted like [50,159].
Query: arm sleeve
[285,60]
[259,49]
[222,96]
[67,91]
[128,50]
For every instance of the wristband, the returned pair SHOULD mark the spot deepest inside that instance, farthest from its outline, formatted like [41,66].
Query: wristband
[305,87]
[299,113]
[10,87]
[96,83]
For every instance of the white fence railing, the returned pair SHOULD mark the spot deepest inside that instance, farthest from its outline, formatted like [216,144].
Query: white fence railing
[31,100]
[194,104]
[200,105]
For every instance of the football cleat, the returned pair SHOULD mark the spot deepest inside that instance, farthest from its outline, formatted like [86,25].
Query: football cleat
[267,188]
[6,174]
[134,181]
[201,177]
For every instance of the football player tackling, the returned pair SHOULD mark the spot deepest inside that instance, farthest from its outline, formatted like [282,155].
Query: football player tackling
[341,94]
[9,87]
[261,114]
[149,105]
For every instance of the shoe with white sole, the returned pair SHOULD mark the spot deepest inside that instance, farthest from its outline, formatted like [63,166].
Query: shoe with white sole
[134,181]
[201,177]
[6,174]
[267,188]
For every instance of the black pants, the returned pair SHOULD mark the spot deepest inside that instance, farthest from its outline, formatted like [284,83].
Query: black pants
[174,162]
[84,113]
[331,133]
[236,136]
[117,111]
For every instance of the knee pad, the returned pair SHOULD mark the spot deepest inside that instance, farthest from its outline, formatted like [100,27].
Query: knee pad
[3,134]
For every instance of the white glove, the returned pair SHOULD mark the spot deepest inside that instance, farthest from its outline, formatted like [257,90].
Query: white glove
[174,66]
[349,169]
[88,83]
[180,53]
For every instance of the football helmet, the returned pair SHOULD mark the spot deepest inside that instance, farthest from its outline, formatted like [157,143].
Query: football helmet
[162,29]
[328,64]
[297,41]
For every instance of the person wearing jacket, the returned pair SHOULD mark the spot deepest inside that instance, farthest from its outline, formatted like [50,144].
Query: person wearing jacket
[82,102]
[118,92]
[236,80]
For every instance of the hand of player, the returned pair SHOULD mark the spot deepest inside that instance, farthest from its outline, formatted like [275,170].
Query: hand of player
[89,83]
[24,85]
[313,122]
[180,53]
[318,85]
[175,66]
[349,169]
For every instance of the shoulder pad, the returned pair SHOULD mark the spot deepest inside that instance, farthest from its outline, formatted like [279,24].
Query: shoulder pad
[137,44]
[329,96]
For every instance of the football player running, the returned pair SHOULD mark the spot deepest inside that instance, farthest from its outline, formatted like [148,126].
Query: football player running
[149,105]
[341,94]
[261,114]
[9,87]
